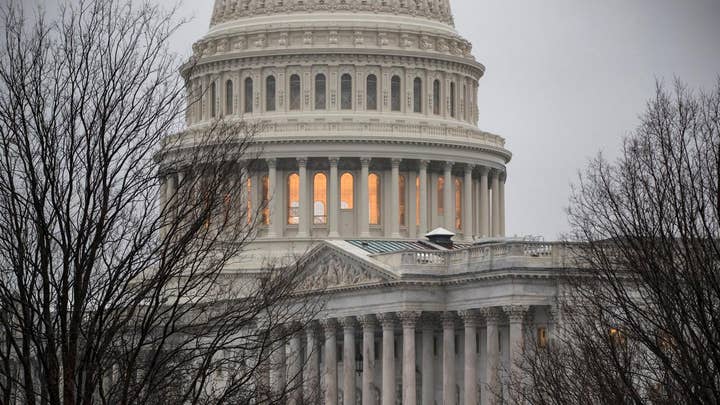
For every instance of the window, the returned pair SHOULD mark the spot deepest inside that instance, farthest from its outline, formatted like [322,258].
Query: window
[320,90]
[417,95]
[347,191]
[248,95]
[371,92]
[294,92]
[320,199]
[374,198]
[346,92]
[436,97]
[542,337]
[293,192]
[458,204]
[270,93]
[395,93]
[441,195]
[417,200]
[401,199]
[213,100]
[266,200]
[452,100]
[229,97]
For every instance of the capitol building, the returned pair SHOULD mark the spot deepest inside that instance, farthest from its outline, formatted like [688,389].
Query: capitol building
[372,166]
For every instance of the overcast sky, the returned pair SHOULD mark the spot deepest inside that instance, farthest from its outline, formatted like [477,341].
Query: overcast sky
[565,79]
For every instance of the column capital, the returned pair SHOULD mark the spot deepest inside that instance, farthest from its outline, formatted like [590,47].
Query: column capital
[368,321]
[347,323]
[395,162]
[387,320]
[365,161]
[409,318]
[492,315]
[424,164]
[302,162]
[484,170]
[471,317]
[448,319]
[333,161]
[271,162]
[429,321]
[516,313]
[554,312]
[329,325]
[469,168]
[312,328]
[449,165]
[503,176]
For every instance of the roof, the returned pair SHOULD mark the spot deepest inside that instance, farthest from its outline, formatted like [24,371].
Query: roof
[387,246]
[440,232]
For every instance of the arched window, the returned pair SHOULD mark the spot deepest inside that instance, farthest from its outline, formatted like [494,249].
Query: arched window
[417,200]
[458,204]
[270,93]
[436,97]
[229,97]
[417,95]
[371,88]
[293,192]
[320,199]
[395,93]
[346,92]
[452,100]
[402,200]
[320,90]
[213,100]
[374,198]
[248,95]
[347,191]
[266,200]
[294,92]
[441,195]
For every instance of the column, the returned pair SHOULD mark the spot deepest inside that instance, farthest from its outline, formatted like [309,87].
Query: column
[501,205]
[423,198]
[492,363]
[277,364]
[310,382]
[369,325]
[331,386]
[294,373]
[553,322]
[245,209]
[387,321]
[467,211]
[409,319]
[395,198]
[334,199]
[470,319]
[516,316]
[304,212]
[428,376]
[348,325]
[448,324]
[274,203]
[484,203]
[495,203]
[171,188]
[363,213]
[447,198]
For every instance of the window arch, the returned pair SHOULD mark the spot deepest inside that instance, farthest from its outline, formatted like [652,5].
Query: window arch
[374,198]
[320,92]
[265,200]
[213,100]
[347,191]
[452,99]
[417,95]
[371,90]
[395,93]
[401,200]
[270,93]
[248,95]
[293,199]
[320,199]
[295,92]
[436,97]
[458,204]
[346,92]
[229,97]
[441,195]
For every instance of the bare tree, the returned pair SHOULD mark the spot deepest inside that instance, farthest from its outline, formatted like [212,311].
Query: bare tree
[641,317]
[114,286]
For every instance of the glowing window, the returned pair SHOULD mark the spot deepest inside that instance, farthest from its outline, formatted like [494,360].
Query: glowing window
[395,93]
[374,198]
[320,86]
[248,95]
[436,97]
[320,199]
[346,92]
[229,97]
[402,200]
[265,200]
[270,93]
[417,95]
[458,204]
[452,100]
[371,92]
[347,191]
[293,191]
[441,195]
[249,200]
[213,99]
[542,338]
[417,200]
[294,92]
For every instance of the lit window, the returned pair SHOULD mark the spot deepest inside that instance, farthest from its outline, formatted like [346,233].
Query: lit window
[320,86]
[372,92]
[320,199]
[402,200]
[347,192]
[294,92]
[229,97]
[293,186]
[270,93]
[265,200]
[542,339]
[417,200]
[458,204]
[346,92]
[617,336]
[452,100]
[213,99]
[374,198]
[441,195]
[248,95]
[436,97]
[249,200]
[417,95]
[395,93]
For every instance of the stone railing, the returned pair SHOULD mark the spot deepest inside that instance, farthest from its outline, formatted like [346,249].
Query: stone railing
[503,255]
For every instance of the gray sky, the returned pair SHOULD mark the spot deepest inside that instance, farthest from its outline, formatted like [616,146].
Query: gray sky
[565,79]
